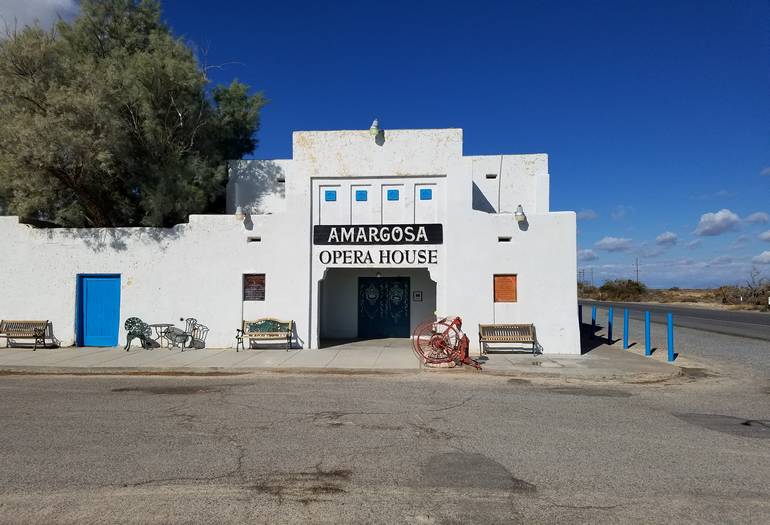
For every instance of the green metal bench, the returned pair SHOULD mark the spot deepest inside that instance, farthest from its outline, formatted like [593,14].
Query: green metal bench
[265,329]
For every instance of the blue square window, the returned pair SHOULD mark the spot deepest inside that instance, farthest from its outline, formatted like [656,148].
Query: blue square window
[426,194]
[361,195]
[330,195]
[392,195]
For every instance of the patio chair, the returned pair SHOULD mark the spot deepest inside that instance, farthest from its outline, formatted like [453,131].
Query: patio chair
[178,337]
[137,329]
[199,333]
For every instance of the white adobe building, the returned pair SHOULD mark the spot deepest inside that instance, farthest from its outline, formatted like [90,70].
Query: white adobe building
[356,236]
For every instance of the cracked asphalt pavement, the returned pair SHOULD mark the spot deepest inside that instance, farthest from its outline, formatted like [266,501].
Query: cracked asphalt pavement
[426,448]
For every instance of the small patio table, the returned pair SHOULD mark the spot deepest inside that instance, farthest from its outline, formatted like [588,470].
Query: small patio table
[160,332]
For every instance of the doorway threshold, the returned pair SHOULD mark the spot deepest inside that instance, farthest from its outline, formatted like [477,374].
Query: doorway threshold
[399,343]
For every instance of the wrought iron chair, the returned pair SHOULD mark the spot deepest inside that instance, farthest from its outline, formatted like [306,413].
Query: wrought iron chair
[137,329]
[178,337]
[199,333]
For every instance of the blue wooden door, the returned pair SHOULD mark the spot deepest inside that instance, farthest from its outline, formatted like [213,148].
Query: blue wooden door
[98,310]
[383,307]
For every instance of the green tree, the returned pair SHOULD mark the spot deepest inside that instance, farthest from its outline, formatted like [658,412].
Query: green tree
[111,121]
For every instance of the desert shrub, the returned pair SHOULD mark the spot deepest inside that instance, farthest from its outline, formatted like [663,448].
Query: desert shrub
[754,291]
[728,294]
[586,291]
[622,290]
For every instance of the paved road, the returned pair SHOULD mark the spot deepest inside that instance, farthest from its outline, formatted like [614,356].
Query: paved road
[746,324]
[428,448]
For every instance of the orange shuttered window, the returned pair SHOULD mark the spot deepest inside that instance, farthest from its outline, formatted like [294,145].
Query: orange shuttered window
[505,288]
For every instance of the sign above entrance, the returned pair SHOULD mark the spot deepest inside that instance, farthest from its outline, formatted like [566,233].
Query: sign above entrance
[359,234]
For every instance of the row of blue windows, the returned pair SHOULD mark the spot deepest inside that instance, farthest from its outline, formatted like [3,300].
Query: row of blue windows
[426,194]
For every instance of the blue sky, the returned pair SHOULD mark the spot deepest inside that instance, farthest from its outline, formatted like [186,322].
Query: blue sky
[655,114]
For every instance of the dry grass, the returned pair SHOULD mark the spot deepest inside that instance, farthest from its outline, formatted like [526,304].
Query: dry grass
[724,297]
[730,299]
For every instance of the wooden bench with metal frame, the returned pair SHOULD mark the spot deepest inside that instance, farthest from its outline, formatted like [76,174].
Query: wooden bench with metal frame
[13,330]
[508,333]
[265,329]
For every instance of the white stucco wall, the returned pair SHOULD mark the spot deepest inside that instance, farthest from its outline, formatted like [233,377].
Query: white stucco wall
[502,182]
[192,270]
[257,186]
[356,154]
[196,269]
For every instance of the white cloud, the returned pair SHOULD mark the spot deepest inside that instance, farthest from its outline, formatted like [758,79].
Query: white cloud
[762,258]
[666,239]
[720,261]
[646,250]
[759,217]
[765,236]
[717,223]
[613,244]
[740,241]
[694,243]
[587,215]
[721,194]
[620,212]
[20,13]
[765,172]
[682,272]
[587,255]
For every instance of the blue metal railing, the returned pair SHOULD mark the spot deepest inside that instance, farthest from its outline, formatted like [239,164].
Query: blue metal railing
[625,328]
[626,320]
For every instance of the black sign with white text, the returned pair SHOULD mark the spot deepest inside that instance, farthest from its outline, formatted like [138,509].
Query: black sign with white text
[361,234]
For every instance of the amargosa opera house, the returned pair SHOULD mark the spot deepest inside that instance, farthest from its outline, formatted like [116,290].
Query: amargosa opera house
[355,237]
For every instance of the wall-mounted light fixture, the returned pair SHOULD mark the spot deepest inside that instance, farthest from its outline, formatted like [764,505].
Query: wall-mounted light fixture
[378,275]
[519,214]
[374,130]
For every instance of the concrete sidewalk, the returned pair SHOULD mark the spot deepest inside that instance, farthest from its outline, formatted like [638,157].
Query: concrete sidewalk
[385,357]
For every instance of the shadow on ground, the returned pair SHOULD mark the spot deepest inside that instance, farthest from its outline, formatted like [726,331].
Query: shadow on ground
[590,338]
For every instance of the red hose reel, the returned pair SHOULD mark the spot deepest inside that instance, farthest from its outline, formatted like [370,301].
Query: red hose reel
[442,342]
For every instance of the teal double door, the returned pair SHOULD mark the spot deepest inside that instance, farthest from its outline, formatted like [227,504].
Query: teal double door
[383,307]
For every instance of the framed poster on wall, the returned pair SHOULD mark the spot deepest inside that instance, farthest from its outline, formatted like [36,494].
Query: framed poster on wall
[254,287]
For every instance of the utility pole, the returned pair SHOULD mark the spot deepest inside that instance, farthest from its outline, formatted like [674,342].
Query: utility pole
[637,270]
